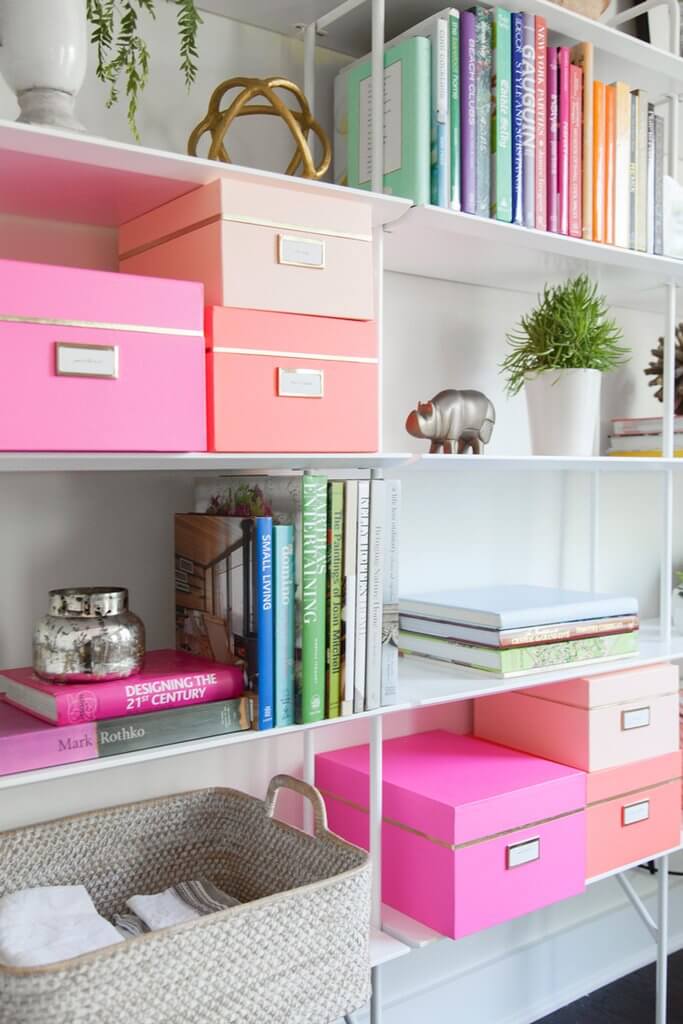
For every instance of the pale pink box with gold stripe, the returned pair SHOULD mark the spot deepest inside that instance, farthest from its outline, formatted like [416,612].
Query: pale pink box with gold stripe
[254,245]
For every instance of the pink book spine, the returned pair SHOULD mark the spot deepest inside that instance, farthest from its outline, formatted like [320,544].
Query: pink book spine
[541,126]
[563,140]
[47,747]
[553,126]
[575,150]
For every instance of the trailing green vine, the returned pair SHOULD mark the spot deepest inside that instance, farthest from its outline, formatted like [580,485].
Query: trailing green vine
[122,52]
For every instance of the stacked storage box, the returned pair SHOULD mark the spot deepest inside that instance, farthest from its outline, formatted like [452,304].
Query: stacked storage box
[621,728]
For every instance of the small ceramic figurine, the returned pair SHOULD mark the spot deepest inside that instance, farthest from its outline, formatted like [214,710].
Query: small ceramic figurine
[453,420]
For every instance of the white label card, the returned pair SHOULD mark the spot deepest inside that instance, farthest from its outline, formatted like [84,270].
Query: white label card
[87,360]
[639,718]
[300,383]
[393,123]
[636,812]
[301,252]
[523,853]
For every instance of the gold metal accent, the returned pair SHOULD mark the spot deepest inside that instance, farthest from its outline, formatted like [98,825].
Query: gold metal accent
[109,375]
[514,848]
[300,122]
[634,711]
[97,325]
[282,241]
[280,354]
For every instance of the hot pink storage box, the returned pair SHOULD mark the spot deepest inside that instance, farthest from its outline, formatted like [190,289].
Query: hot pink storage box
[279,382]
[94,361]
[257,245]
[474,834]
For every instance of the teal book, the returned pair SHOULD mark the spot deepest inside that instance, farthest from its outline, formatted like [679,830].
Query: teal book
[482,57]
[178,725]
[454,110]
[440,126]
[284,574]
[501,115]
[407,117]
[311,681]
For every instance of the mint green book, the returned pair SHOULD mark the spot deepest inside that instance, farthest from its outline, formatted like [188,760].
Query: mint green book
[284,575]
[335,553]
[519,661]
[482,72]
[311,680]
[501,115]
[407,121]
[454,111]
[177,725]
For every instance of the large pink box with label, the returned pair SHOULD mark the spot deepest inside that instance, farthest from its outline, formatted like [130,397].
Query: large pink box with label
[95,361]
[473,834]
[261,245]
[281,382]
[593,722]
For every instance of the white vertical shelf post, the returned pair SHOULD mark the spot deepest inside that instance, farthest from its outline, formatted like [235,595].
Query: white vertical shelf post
[662,937]
[595,532]
[309,775]
[310,34]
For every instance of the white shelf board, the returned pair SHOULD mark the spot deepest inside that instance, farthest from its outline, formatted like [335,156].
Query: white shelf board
[633,60]
[406,929]
[545,463]
[634,864]
[384,947]
[65,176]
[431,242]
[204,462]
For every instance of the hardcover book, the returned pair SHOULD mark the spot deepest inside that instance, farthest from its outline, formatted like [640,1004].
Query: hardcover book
[525,637]
[501,115]
[363,529]
[541,125]
[575,150]
[349,595]
[599,183]
[468,112]
[454,107]
[650,183]
[440,116]
[610,115]
[529,120]
[641,152]
[284,572]
[633,173]
[659,186]
[483,110]
[622,160]
[169,679]
[583,56]
[311,691]
[373,663]
[390,584]
[552,100]
[643,425]
[563,139]
[335,568]
[517,27]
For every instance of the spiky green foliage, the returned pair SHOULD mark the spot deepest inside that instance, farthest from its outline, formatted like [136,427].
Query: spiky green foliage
[568,329]
[123,53]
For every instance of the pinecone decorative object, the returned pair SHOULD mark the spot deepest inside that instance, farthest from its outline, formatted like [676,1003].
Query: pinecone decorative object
[656,366]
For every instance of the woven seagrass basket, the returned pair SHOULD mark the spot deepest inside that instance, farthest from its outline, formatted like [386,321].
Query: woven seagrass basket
[295,952]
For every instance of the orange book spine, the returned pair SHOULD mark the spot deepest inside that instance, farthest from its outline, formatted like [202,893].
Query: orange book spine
[610,114]
[599,154]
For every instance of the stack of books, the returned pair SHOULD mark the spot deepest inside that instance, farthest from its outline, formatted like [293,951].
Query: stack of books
[295,578]
[176,697]
[515,630]
[483,116]
[643,437]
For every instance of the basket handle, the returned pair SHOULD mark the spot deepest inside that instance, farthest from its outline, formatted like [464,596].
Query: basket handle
[305,790]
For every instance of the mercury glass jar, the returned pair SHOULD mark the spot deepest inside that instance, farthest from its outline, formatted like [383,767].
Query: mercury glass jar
[88,635]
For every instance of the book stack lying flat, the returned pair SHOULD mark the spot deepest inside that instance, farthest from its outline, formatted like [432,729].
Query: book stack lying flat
[643,437]
[515,630]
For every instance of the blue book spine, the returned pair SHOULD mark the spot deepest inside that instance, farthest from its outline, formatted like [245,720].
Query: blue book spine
[285,620]
[264,620]
[517,117]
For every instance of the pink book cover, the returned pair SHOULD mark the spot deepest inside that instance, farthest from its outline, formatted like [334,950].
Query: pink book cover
[27,744]
[563,139]
[169,679]
[575,150]
[553,128]
[541,125]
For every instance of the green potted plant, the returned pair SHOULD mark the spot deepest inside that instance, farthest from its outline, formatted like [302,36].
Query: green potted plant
[558,353]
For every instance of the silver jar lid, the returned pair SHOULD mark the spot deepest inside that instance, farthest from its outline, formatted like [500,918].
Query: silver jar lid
[88,601]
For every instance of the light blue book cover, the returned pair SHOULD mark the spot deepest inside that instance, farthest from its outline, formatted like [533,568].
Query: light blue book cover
[264,619]
[483,110]
[285,623]
[407,115]
[517,116]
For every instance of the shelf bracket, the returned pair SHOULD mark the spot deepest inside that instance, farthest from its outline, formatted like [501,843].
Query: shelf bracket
[640,908]
[659,929]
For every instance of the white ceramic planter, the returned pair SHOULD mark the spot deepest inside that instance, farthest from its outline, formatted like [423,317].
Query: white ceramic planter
[564,408]
[43,57]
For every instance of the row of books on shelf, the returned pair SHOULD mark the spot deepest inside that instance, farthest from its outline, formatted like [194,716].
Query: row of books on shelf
[482,115]
[642,437]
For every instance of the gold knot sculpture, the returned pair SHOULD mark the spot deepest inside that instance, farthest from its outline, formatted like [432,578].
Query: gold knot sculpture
[300,122]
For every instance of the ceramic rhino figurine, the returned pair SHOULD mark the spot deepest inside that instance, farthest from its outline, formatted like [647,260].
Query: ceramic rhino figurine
[454,419]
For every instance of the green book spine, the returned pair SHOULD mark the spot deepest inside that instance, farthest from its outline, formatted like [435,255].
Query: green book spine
[523,659]
[160,728]
[482,47]
[407,121]
[501,115]
[335,548]
[454,23]
[311,688]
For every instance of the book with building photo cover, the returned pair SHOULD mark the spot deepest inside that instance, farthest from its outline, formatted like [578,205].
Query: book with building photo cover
[224,608]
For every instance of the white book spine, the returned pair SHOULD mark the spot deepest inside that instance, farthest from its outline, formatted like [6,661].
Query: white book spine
[373,667]
[650,178]
[641,172]
[349,598]
[361,594]
[390,582]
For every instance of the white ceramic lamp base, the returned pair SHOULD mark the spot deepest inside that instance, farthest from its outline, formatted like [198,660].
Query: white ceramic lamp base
[50,107]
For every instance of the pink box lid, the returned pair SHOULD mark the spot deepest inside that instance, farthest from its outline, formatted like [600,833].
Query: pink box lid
[592,691]
[629,778]
[40,291]
[265,330]
[455,788]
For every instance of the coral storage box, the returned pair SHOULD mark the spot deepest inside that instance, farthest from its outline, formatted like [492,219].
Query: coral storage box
[634,813]
[260,246]
[473,834]
[592,723]
[94,361]
[280,382]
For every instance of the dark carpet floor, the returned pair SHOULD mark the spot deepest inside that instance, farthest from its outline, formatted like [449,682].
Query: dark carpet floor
[631,1000]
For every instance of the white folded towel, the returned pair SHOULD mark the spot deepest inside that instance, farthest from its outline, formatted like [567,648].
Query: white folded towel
[51,923]
[184,902]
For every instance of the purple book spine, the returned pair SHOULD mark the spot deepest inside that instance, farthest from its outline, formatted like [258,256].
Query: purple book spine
[468,111]
[552,103]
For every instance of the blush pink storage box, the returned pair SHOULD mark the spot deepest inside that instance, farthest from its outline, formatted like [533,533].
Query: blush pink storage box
[261,246]
[93,361]
[593,722]
[279,382]
[634,813]
[474,834]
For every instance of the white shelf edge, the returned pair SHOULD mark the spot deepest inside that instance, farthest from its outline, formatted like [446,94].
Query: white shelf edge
[406,929]
[384,947]
[426,463]
[41,462]
[634,864]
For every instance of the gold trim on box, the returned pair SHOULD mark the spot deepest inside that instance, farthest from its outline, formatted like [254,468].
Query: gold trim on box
[284,262]
[280,354]
[112,375]
[97,325]
[510,851]
[299,369]
[634,711]
[634,792]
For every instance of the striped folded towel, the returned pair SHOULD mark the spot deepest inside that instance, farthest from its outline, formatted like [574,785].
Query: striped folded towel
[186,901]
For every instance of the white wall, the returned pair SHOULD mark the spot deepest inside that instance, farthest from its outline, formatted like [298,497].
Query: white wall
[470,527]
